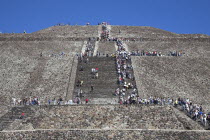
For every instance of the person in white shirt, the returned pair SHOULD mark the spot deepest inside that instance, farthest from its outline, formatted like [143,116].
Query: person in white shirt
[14,101]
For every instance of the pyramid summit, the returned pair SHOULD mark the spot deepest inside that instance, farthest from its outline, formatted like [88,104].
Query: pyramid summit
[104,82]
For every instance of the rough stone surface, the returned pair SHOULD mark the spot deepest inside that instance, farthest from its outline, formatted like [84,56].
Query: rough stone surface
[71,31]
[173,77]
[72,77]
[107,134]
[24,73]
[105,117]
[148,32]
[106,47]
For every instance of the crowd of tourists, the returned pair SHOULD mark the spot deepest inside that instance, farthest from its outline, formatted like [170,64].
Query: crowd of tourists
[195,111]
[105,31]
[55,55]
[125,74]
[143,53]
[26,101]
[155,53]
[37,101]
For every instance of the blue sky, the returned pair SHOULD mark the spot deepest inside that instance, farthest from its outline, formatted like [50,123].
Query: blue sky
[179,16]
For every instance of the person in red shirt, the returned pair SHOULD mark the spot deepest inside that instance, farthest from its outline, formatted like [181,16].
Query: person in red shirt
[86,100]
[22,115]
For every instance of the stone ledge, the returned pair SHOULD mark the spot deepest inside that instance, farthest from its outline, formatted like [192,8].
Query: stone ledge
[106,134]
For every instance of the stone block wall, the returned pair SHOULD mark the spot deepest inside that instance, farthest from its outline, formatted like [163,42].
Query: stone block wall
[106,47]
[106,134]
[104,117]
[71,31]
[173,77]
[24,72]
[138,32]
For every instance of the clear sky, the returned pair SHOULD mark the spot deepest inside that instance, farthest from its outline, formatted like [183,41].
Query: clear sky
[179,16]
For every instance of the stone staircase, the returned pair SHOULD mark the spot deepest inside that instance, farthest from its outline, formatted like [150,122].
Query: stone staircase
[105,85]
[14,114]
[104,101]
[190,117]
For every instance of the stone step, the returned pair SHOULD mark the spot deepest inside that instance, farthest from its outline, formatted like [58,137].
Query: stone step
[103,101]
[100,75]
[5,122]
[98,94]
[99,91]
[108,133]
[88,70]
[107,83]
